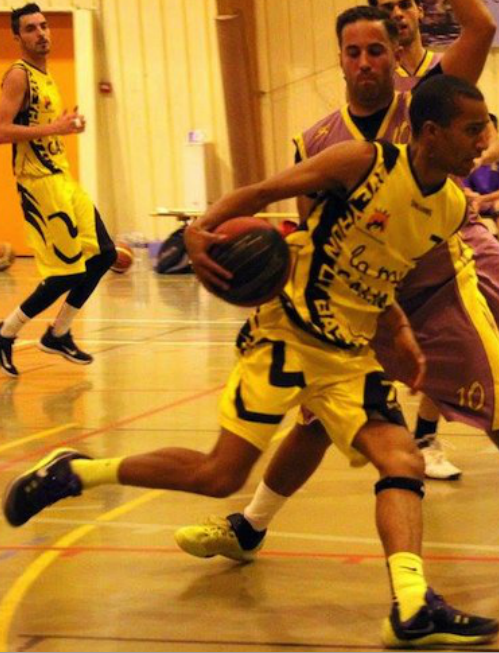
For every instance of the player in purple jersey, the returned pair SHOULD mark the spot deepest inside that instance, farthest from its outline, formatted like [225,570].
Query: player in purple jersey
[415,59]
[447,278]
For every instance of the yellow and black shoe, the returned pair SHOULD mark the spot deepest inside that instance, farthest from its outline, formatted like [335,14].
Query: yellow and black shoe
[50,480]
[437,624]
[231,537]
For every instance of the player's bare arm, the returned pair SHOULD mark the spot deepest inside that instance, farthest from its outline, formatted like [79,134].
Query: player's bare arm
[12,100]
[344,164]
[412,362]
[466,57]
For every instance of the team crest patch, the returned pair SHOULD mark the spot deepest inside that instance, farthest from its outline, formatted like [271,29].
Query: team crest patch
[47,103]
[378,221]
[323,131]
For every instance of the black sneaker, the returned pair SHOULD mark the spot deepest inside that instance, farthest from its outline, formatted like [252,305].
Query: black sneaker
[48,481]
[6,363]
[64,346]
[437,623]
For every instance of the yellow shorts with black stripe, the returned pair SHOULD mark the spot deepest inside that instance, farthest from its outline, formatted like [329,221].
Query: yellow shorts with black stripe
[64,228]
[280,366]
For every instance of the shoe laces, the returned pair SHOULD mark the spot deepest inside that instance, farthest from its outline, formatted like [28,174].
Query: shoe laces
[48,486]
[437,602]
[67,340]
[436,451]
[219,525]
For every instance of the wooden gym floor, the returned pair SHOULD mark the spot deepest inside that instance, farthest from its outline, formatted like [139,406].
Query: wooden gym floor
[102,572]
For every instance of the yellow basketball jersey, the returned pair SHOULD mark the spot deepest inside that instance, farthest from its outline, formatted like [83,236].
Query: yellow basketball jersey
[43,156]
[353,252]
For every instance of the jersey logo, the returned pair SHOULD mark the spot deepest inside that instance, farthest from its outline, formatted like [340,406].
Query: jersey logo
[323,131]
[378,221]
[47,103]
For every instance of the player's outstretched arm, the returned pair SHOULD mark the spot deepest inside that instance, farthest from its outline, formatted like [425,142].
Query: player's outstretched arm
[466,57]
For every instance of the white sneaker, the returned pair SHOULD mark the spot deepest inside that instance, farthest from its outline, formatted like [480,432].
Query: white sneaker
[436,464]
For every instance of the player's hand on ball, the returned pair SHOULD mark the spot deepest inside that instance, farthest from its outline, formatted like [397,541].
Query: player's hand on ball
[198,242]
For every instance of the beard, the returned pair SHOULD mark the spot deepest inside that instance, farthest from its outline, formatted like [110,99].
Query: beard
[371,94]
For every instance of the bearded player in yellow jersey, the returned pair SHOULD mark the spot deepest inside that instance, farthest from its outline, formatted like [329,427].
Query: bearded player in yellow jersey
[71,245]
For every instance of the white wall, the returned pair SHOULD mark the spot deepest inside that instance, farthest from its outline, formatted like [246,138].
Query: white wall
[161,58]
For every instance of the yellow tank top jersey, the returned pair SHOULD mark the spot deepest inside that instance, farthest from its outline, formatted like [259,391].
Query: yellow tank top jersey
[43,156]
[353,252]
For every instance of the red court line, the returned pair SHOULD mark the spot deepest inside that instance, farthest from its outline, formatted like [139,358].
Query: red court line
[38,453]
[350,558]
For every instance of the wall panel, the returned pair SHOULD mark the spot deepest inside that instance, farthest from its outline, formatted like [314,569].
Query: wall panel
[162,59]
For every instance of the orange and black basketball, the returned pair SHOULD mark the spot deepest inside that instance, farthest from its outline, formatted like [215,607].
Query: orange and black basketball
[124,258]
[258,257]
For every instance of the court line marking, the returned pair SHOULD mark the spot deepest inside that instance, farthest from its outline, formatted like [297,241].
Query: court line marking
[38,436]
[30,575]
[39,452]
[34,640]
[356,557]
[151,528]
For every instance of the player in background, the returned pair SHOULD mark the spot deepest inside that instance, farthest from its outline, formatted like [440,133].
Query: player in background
[71,245]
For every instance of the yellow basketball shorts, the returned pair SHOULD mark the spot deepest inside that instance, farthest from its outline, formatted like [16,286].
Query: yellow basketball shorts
[279,367]
[64,229]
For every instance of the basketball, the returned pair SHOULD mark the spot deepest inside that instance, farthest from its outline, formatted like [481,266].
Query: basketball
[258,257]
[7,256]
[124,258]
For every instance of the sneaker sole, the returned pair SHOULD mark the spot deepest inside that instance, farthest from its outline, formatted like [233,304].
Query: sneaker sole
[452,477]
[198,550]
[48,350]
[7,504]
[390,640]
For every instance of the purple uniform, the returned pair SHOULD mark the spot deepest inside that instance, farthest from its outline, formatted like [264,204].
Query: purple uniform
[404,81]
[451,297]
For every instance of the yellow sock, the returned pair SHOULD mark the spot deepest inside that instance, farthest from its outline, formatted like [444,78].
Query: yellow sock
[97,472]
[408,583]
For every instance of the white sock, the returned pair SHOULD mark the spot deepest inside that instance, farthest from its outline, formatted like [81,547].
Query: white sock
[263,507]
[14,323]
[64,320]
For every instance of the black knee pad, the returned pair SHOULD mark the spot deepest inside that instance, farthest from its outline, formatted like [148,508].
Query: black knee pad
[400,483]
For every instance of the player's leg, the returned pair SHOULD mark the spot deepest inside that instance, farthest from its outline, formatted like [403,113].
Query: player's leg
[437,465]
[99,254]
[294,462]
[249,414]
[418,617]
[51,235]
[47,292]
[65,473]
